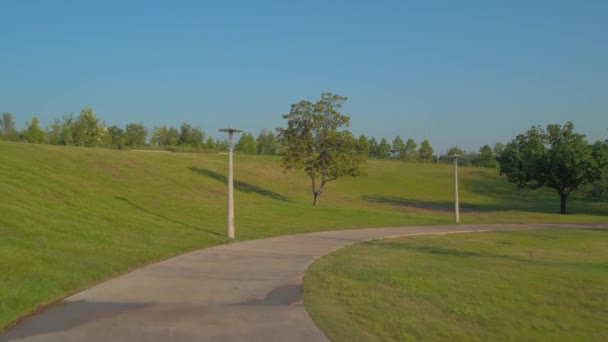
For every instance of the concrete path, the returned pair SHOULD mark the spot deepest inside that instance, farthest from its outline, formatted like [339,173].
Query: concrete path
[247,291]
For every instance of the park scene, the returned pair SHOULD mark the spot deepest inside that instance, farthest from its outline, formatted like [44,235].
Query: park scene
[349,180]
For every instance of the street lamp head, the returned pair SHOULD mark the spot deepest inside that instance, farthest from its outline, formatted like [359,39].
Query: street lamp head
[455,156]
[230,130]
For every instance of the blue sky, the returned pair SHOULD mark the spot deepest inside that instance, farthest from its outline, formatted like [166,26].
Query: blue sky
[464,73]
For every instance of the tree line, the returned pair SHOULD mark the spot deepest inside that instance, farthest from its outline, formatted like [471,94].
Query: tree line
[86,129]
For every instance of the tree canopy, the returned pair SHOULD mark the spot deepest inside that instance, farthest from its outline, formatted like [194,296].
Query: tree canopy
[556,157]
[317,141]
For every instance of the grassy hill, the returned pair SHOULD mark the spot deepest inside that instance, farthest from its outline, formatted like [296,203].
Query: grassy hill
[71,217]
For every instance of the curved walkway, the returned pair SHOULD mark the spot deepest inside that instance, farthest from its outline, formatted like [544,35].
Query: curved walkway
[247,291]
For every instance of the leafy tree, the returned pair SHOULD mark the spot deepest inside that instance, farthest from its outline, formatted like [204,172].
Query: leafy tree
[117,136]
[221,145]
[398,147]
[7,128]
[33,133]
[556,157]
[317,141]
[210,144]
[498,149]
[425,153]
[383,149]
[246,144]
[135,134]
[455,150]
[88,130]
[373,148]
[363,147]
[164,136]
[54,133]
[266,142]
[191,136]
[409,151]
[67,130]
[486,158]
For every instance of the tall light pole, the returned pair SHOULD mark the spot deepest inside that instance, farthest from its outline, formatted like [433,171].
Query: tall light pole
[230,223]
[456,208]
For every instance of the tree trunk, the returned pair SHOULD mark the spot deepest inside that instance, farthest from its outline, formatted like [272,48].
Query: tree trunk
[316,202]
[563,197]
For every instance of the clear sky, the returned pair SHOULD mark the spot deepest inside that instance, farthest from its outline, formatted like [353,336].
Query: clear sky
[464,73]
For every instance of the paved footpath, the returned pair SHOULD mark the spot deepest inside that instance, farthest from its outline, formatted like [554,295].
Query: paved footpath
[246,291]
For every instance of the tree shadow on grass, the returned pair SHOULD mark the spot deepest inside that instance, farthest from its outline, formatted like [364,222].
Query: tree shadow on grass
[239,185]
[435,206]
[524,201]
[164,217]
[445,251]
[543,200]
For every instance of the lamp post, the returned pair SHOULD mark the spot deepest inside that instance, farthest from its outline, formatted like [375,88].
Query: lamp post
[230,223]
[456,208]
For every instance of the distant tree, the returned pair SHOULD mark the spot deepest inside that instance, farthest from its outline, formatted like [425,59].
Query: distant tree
[246,144]
[164,136]
[210,144]
[363,147]
[266,142]
[117,136]
[88,130]
[135,134]
[67,130]
[556,157]
[7,128]
[191,136]
[425,153]
[221,145]
[409,152]
[455,150]
[398,147]
[54,133]
[32,132]
[317,141]
[498,149]
[382,151]
[373,148]
[487,158]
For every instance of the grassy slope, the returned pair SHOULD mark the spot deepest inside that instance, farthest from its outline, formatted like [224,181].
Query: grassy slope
[70,217]
[515,286]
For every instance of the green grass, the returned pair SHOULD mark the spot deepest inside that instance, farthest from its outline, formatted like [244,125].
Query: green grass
[538,285]
[71,217]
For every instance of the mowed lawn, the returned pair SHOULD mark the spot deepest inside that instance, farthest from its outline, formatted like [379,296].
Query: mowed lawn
[71,217]
[542,285]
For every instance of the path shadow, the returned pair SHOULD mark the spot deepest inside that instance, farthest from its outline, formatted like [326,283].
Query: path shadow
[164,217]
[239,185]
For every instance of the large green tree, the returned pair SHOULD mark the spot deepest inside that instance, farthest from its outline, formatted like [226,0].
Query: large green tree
[556,157]
[317,140]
